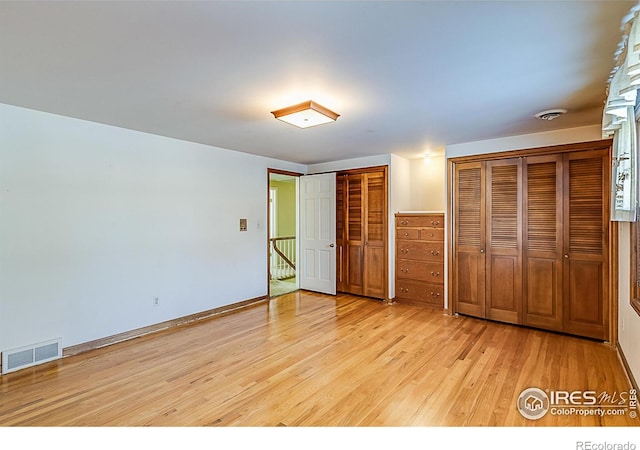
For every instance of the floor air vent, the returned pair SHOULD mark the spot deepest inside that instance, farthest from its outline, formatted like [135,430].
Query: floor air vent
[20,358]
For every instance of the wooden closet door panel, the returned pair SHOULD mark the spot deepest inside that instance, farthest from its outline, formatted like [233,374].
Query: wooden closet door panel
[354,207]
[375,208]
[354,233]
[469,239]
[542,277]
[586,212]
[353,269]
[341,257]
[374,280]
[503,240]
[375,229]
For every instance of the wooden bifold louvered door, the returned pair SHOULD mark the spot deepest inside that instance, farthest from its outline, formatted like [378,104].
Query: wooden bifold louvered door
[469,261]
[543,218]
[586,244]
[503,240]
[531,240]
[361,202]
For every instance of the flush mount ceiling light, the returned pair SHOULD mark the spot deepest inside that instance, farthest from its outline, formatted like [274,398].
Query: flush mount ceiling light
[550,114]
[306,114]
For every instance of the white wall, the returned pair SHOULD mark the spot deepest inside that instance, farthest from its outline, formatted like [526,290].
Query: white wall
[428,183]
[96,221]
[399,185]
[348,164]
[525,141]
[628,318]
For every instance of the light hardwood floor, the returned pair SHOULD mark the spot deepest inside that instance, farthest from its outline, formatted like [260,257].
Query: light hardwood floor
[313,360]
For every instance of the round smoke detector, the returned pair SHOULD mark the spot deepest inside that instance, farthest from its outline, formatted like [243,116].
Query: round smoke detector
[550,114]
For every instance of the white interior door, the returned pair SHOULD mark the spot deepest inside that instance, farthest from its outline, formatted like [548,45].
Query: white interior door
[318,233]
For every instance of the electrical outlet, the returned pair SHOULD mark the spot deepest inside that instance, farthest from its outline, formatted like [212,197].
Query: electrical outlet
[156,301]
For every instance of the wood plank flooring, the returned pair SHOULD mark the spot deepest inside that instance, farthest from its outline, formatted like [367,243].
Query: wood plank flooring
[306,359]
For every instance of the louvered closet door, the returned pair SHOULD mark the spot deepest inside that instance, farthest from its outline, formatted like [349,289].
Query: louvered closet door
[542,283]
[354,234]
[469,263]
[586,213]
[504,240]
[374,264]
[340,234]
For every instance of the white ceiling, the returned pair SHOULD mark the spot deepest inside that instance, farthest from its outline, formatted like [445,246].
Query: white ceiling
[406,77]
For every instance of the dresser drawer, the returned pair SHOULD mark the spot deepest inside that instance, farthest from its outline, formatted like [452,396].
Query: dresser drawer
[420,270]
[408,233]
[417,293]
[426,220]
[421,251]
[432,234]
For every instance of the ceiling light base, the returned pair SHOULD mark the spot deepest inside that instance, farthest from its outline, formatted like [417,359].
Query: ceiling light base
[306,114]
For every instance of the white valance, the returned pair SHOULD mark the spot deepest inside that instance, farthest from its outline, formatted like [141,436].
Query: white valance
[618,120]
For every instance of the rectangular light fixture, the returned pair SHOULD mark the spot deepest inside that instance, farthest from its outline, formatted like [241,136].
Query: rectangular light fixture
[306,114]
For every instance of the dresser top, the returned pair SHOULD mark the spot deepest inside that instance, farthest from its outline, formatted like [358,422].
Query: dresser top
[418,213]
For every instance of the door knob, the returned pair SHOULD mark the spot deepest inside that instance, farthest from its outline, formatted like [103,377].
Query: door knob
[331,245]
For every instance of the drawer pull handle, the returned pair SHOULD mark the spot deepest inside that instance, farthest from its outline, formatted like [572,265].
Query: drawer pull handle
[404,251]
[435,252]
[435,274]
[435,223]
[404,222]
[406,234]
[435,294]
[403,270]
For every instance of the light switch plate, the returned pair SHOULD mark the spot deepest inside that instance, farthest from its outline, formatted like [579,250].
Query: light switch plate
[243,224]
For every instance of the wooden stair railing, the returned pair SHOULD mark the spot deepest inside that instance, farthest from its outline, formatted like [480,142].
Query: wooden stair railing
[284,257]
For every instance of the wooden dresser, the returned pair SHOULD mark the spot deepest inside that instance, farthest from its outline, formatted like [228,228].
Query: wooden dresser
[420,259]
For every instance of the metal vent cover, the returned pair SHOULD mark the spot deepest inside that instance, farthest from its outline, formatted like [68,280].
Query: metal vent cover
[550,114]
[31,355]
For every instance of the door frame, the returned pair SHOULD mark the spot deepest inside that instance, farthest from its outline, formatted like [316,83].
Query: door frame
[384,167]
[278,172]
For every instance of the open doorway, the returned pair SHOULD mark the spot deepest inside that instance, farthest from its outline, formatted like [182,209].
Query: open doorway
[283,225]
